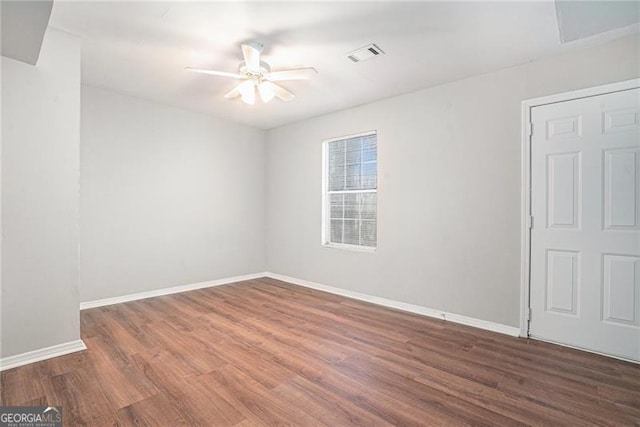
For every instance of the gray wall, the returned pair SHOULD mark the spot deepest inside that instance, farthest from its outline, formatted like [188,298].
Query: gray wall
[168,197]
[449,187]
[40,174]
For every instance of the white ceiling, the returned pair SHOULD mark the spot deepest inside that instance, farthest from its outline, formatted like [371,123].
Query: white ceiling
[141,48]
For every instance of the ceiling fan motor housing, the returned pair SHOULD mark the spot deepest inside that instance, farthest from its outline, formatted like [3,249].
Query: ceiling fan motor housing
[264,69]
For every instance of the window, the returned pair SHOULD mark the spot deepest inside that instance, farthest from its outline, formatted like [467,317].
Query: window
[350,191]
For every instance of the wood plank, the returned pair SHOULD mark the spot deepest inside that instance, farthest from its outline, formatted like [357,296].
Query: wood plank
[255,401]
[153,411]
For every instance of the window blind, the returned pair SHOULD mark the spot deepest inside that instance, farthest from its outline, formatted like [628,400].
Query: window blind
[351,196]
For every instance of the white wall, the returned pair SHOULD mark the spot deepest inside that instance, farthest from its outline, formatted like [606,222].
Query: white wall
[40,183]
[449,187]
[168,197]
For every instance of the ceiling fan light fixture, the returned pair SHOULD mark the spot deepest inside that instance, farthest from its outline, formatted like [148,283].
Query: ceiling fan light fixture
[266,92]
[249,98]
[247,92]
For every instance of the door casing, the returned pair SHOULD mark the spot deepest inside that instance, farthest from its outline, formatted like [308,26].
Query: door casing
[525,182]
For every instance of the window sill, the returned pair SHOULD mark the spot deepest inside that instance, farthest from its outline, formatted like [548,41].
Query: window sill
[353,248]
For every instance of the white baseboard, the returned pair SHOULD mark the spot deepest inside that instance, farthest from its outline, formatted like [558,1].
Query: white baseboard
[417,309]
[167,291]
[41,354]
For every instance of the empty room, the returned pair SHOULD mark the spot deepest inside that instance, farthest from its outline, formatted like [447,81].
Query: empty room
[320,213]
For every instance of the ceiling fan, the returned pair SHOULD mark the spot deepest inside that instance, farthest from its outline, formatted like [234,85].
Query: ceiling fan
[256,75]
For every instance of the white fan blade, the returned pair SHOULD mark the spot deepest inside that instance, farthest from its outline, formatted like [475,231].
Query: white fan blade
[295,74]
[279,91]
[214,72]
[251,53]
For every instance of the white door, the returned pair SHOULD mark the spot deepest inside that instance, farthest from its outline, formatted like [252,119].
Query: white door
[585,237]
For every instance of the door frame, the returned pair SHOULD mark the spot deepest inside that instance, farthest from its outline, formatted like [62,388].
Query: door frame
[525,181]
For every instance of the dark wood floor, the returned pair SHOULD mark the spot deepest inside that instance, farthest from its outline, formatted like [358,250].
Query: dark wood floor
[264,352]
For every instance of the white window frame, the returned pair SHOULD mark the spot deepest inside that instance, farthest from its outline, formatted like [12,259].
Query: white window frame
[325,195]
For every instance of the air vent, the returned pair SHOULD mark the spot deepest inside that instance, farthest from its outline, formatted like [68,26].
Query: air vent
[365,52]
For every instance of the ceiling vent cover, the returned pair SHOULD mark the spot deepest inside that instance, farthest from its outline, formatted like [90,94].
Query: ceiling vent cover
[366,52]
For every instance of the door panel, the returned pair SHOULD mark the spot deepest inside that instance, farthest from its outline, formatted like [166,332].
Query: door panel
[563,281]
[621,289]
[621,190]
[563,190]
[585,239]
